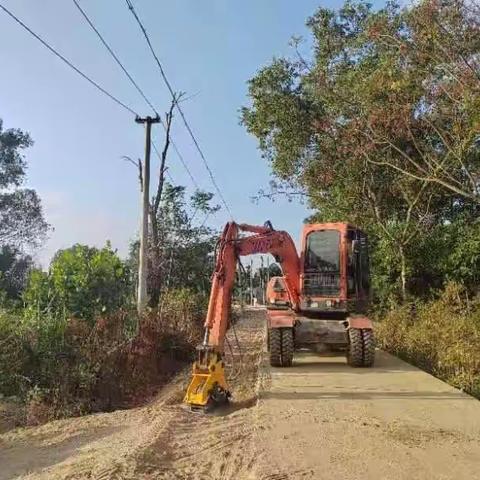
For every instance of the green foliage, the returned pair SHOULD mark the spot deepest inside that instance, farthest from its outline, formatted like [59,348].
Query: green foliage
[462,242]
[12,164]
[181,245]
[21,216]
[378,125]
[14,271]
[82,282]
[72,367]
[13,355]
[449,252]
[440,336]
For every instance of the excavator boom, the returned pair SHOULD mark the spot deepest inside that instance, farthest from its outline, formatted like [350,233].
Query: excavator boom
[208,385]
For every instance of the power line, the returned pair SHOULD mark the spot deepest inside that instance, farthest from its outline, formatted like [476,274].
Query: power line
[169,175]
[192,178]
[95,84]
[184,163]
[135,84]
[115,57]
[205,220]
[70,64]
[172,93]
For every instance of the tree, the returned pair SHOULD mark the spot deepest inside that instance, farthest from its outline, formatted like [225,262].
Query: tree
[187,243]
[433,76]
[82,282]
[154,250]
[184,258]
[349,125]
[21,217]
[154,219]
[14,270]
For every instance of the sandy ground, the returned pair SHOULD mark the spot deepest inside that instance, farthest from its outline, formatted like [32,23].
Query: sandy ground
[318,419]
[162,440]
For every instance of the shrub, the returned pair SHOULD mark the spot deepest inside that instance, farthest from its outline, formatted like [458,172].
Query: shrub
[82,282]
[441,336]
[64,367]
[13,355]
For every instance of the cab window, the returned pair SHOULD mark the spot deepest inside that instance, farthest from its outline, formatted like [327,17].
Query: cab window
[323,252]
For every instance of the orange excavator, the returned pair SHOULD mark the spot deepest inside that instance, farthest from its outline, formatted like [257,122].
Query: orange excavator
[327,286]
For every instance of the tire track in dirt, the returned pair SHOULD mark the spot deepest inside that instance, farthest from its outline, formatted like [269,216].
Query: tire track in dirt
[161,440]
[219,445]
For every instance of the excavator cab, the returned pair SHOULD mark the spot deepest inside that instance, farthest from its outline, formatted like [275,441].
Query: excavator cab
[334,272]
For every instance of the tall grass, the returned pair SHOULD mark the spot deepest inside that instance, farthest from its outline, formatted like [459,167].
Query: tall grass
[441,336]
[68,367]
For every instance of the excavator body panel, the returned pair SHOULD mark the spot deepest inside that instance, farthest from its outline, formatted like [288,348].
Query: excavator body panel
[280,318]
[312,332]
[277,295]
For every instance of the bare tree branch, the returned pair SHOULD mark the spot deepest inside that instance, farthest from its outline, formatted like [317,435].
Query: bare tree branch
[138,164]
[447,185]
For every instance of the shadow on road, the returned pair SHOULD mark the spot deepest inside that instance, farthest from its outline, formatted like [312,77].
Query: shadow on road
[329,362]
[18,459]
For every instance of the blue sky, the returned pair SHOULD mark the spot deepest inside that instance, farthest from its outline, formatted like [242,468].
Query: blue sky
[209,49]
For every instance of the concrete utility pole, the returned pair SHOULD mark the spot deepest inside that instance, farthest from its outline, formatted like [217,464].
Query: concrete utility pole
[142,298]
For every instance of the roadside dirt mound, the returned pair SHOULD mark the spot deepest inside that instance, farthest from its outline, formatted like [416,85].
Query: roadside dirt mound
[159,441]
[10,415]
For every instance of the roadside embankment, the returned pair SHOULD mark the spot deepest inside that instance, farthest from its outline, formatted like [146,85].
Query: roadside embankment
[441,337]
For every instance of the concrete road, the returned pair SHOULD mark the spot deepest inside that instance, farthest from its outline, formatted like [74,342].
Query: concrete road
[322,419]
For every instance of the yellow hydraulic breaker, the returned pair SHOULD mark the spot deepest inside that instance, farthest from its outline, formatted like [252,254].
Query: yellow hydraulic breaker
[208,386]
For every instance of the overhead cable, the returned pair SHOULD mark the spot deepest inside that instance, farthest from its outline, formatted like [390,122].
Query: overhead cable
[172,93]
[135,84]
[70,64]
[115,57]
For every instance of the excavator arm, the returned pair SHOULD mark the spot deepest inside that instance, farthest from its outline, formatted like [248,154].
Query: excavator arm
[208,385]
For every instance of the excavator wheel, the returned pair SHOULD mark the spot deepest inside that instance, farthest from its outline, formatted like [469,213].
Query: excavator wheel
[368,348]
[287,347]
[280,342]
[275,347]
[361,348]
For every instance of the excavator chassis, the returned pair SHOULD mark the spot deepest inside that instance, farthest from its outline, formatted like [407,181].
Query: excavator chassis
[288,331]
[208,387]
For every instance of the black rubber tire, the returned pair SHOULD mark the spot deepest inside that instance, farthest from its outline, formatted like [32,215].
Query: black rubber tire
[355,348]
[275,347]
[361,348]
[287,347]
[368,348]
